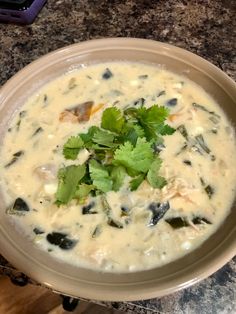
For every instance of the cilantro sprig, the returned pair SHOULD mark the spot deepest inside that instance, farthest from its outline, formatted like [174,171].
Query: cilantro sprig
[72,147]
[136,159]
[122,147]
[69,177]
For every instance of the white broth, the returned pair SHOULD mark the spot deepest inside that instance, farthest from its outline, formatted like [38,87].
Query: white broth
[147,227]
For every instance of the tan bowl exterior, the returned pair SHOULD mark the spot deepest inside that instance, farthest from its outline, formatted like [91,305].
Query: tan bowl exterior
[78,282]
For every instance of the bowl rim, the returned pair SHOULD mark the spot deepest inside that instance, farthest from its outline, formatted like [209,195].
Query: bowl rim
[102,43]
[16,256]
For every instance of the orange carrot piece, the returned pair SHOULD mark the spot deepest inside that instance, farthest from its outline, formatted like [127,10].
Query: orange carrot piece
[96,108]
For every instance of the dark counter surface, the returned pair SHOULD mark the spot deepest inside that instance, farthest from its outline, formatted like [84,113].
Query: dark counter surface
[204,27]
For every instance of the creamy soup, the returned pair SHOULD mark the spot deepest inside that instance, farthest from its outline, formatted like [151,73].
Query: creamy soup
[119,167]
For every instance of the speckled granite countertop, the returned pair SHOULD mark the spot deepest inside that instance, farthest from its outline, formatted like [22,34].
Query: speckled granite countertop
[205,27]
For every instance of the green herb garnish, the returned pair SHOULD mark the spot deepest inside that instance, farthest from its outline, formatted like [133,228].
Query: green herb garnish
[83,190]
[72,147]
[117,175]
[122,147]
[155,180]
[135,183]
[69,178]
[135,159]
[100,176]
[112,120]
[104,138]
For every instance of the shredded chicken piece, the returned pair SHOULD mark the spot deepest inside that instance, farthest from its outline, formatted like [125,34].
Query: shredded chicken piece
[193,226]
[177,187]
[96,254]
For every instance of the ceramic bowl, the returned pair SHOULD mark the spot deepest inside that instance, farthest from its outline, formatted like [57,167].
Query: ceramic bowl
[79,282]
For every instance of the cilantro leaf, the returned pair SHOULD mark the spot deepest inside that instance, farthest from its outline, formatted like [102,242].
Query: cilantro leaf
[138,158]
[166,130]
[131,136]
[135,183]
[131,112]
[72,147]
[139,130]
[87,137]
[153,178]
[112,120]
[118,174]
[131,133]
[100,176]
[69,178]
[152,119]
[159,182]
[83,190]
[104,138]
[152,116]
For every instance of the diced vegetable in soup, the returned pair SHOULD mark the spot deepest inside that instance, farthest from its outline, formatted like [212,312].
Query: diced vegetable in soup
[119,167]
